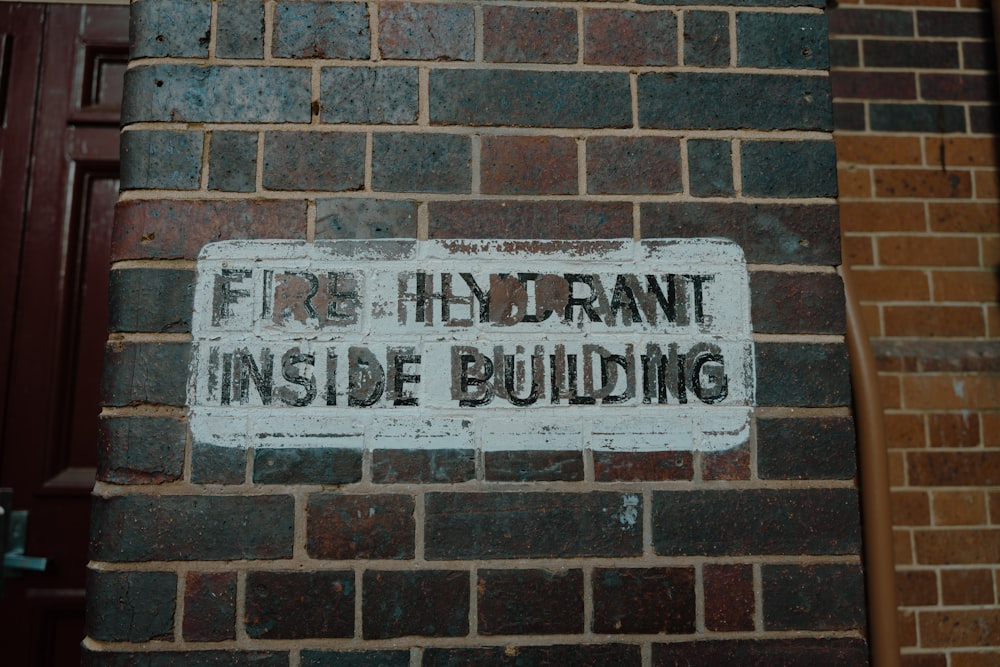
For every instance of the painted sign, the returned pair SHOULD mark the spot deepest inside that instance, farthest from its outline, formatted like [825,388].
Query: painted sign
[608,345]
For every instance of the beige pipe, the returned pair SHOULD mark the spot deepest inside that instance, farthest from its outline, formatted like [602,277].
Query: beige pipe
[873,474]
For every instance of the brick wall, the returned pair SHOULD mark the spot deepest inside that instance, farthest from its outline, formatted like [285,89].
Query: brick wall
[563,120]
[915,89]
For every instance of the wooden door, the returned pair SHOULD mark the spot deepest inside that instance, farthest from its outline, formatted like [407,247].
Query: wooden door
[61,70]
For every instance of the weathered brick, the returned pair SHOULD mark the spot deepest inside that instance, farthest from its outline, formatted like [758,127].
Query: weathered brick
[166,160]
[910,54]
[530,220]
[757,521]
[885,22]
[217,658]
[141,528]
[953,430]
[980,546]
[937,118]
[813,597]
[727,464]
[341,527]
[422,163]
[930,183]
[762,652]
[706,39]
[958,87]
[365,219]
[844,52]
[198,94]
[849,116]
[532,525]
[927,250]
[171,28]
[232,163]
[514,34]
[697,100]
[171,229]
[152,373]
[866,85]
[935,23]
[788,41]
[299,605]
[967,587]
[644,600]
[217,465]
[806,448]
[412,31]
[140,450]
[150,300]
[959,627]
[307,465]
[528,165]
[331,161]
[816,375]
[784,302]
[921,320]
[959,508]
[392,466]
[589,655]
[954,468]
[240,29]
[379,95]
[530,99]
[616,37]
[789,168]
[729,597]
[710,167]
[209,606]
[534,466]
[535,602]
[382,658]
[633,165]
[316,29]
[916,588]
[910,508]
[130,606]
[642,466]
[425,603]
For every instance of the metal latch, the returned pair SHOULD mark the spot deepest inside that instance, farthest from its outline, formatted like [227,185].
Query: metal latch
[13,537]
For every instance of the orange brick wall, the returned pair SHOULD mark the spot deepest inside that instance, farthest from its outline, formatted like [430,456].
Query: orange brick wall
[915,91]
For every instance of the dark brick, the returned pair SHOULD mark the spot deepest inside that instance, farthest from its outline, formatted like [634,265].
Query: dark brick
[857,21]
[151,300]
[130,606]
[959,87]
[209,606]
[198,94]
[849,84]
[616,37]
[365,219]
[318,29]
[171,229]
[518,98]
[740,3]
[984,119]
[307,465]
[186,659]
[534,466]
[217,465]
[530,220]
[813,597]
[341,527]
[706,39]
[697,100]
[788,41]
[762,653]
[299,605]
[797,302]
[170,28]
[728,464]
[425,603]
[578,655]
[421,466]
[141,528]
[532,525]
[145,373]
[937,23]
[844,52]
[232,163]
[939,118]
[240,29]
[331,161]
[911,54]
[166,160]
[422,163]
[849,116]
[644,600]
[140,450]
[355,658]
[379,95]
[729,597]
[529,35]
[768,233]
[978,55]
[411,31]
[529,165]
[710,167]
[756,522]
[642,466]
[806,448]
[789,168]
[633,165]
[803,375]
[953,468]
[518,602]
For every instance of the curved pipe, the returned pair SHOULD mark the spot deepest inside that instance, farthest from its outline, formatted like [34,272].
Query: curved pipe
[873,474]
